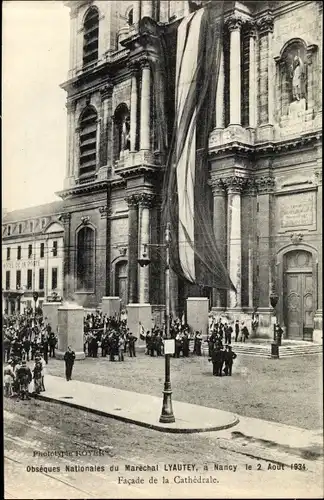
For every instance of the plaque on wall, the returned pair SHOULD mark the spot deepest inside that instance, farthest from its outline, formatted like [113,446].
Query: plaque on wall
[296,211]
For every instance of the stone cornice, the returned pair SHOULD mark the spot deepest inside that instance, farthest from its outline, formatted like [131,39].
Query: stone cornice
[83,189]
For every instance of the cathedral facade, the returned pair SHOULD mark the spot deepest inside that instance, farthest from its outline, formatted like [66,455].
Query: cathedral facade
[264,159]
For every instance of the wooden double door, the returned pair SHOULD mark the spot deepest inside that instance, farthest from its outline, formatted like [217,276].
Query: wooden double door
[299,303]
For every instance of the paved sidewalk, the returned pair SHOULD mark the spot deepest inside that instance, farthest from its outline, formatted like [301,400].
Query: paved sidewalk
[258,438]
[140,409]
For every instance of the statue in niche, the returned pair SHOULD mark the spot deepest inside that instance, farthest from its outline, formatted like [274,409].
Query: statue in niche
[125,135]
[297,75]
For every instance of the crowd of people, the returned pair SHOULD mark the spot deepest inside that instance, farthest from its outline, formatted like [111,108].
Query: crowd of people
[29,337]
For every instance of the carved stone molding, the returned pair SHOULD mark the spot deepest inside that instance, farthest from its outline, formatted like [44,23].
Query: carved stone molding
[122,251]
[106,91]
[70,106]
[265,24]
[143,62]
[296,238]
[85,220]
[146,200]
[134,67]
[65,218]
[235,184]
[318,177]
[265,185]
[217,185]
[105,212]
[250,187]
[234,23]
[132,200]
[251,29]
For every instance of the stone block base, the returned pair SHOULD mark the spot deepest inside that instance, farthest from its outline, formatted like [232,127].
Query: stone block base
[318,327]
[139,314]
[70,330]
[197,314]
[110,306]
[50,311]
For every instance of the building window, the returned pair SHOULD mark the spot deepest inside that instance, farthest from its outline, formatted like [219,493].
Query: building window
[43,222]
[42,250]
[90,36]
[88,142]
[130,17]
[54,249]
[9,230]
[8,253]
[18,279]
[30,251]
[54,278]
[85,259]
[19,252]
[20,228]
[29,279]
[7,280]
[31,226]
[41,279]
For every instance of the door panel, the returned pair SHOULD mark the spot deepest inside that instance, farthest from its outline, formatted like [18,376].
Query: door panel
[122,291]
[308,306]
[294,306]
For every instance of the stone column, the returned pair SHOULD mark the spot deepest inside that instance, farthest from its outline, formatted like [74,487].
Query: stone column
[136,11]
[234,255]
[265,187]
[147,8]
[145,203]
[219,226]
[98,144]
[145,106]
[73,40]
[234,26]
[132,247]
[266,72]
[65,218]
[220,115]
[106,94]
[133,109]
[70,142]
[252,79]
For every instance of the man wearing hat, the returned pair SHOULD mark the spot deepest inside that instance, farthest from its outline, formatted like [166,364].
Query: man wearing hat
[24,377]
[69,358]
[229,357]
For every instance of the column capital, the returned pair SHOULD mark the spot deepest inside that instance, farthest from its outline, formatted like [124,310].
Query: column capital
[134,67]
[105,212]
[251,28]
[106,91]
[146,200]
[250,187]
[235,184]
[144,62]
[234,22]
[70,106]
[65,218]
[265,185]
[217,185]
[132,200]
[265,23]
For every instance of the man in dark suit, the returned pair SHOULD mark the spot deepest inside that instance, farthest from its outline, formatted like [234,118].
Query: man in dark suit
[218,360]
[69,358]
[229,357]
[237,329]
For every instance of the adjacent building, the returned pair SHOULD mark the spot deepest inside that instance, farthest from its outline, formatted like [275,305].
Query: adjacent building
[32,256]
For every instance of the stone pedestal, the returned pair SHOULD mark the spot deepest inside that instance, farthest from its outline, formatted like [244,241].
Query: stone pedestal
[197,314]
[318,327]
[50,311]
[70,330]
[111,306]
[136,314]
[265,327]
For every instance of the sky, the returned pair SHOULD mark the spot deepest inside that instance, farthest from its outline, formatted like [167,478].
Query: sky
[35,59]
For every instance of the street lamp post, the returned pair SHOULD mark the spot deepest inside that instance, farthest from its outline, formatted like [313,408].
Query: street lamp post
[167,415]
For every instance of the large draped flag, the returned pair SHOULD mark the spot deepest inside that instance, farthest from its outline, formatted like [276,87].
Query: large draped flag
[187,202]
